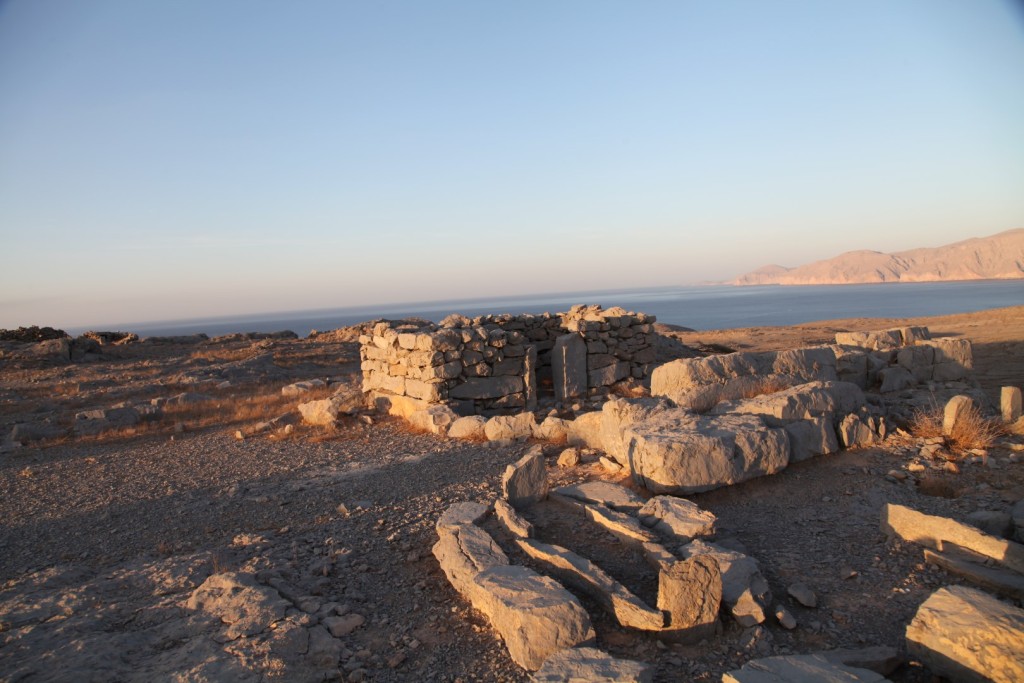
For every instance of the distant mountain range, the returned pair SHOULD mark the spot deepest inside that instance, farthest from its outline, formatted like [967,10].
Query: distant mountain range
[998,257]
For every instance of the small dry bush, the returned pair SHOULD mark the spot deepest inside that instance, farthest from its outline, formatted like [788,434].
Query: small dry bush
[764,385]
[972,430]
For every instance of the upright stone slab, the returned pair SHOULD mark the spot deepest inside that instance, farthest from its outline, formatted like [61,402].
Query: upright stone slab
[526,482]
[955,410]
[690,592]
[966,635]
[1010,401]
[530,377]
[569,367]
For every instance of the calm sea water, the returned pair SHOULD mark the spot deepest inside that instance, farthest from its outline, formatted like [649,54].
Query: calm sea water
[700,308]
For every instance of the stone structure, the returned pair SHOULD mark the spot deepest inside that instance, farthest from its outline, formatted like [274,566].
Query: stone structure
[501,363]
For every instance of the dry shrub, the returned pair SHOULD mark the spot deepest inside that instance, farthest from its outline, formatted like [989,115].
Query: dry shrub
[972,430]
[769,384]
[226,355]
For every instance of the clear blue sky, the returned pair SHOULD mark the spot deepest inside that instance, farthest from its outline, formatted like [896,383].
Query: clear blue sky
[180,159]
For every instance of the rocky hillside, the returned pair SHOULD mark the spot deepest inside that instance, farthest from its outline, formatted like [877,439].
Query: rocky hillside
[998,257]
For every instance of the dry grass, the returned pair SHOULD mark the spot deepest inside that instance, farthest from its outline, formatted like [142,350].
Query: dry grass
[769,384]
[972,430]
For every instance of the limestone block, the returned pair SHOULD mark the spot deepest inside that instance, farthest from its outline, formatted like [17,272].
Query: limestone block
[812,399]
[809,364]
[593,666]
[535,616]
[487,387]
[912,335]
[690,593]
[240,602]
[426,391]
[400,406]
[299,388]
[436,419]
[919,360]
[579,572]
[324,412]
[553,429]
[896,378]
[878,340]
[586,431]
[513,522]
[1010,403]
[469,427]
[608,375]
[466,513]
[676,519]
[856,431]
[744,589]
[624,527]
[530,377]
[510,427]
[677,452]
[800,669]
[956,409]
[526,481]
[569,367]
[810,438]
[966,635]
[952,350]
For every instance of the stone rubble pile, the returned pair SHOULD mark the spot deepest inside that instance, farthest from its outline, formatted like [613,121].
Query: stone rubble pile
[495,364]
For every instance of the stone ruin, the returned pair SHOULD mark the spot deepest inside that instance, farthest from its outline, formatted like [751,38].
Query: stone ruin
[709,422]
[501,364]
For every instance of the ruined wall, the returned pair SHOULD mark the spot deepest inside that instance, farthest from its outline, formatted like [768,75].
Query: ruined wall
[503,363]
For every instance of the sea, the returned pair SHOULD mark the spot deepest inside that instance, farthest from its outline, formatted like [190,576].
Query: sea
[702,307]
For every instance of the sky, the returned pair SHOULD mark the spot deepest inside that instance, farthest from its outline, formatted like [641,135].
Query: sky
[165,160]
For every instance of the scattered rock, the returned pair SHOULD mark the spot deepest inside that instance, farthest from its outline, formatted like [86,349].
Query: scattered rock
[802,594]
[526,481]
[677,519]
[785,618]
[471,427]
[570,457]
[593,666]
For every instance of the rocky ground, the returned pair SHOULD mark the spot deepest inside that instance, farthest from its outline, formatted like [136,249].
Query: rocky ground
[318,542]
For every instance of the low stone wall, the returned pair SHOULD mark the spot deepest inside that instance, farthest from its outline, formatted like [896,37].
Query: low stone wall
[503,363]
[896,359]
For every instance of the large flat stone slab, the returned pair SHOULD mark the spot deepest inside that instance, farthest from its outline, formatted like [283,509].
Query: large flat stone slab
[966,635]
[603,493]
[800,669]
[590,665]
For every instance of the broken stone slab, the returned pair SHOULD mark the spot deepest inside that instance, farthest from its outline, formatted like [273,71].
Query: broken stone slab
[513,522]
[744,589]
[676,519]
[510,427]
[858,430]
[466,513]
[569,367]
[464,552]
[1001,581]
[937,532]
[690,593]
[526,481]
[322,413]
[604,493]
[966,635]
[579,572]
[1010,403]
[957,408]
[590,665]
[534,615]
[800,402]
[800,669]
[624,527]
[240,602]
[675,451]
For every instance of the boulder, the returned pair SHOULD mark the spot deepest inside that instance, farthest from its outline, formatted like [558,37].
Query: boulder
[811,438]
[877,340]
[470,427]
[676,520]
[957,409]
[526,481]
[690,594]
[585,431]
[552,429]
[510,427]
[579,664]
[320,413]
[436,419]
[966,635]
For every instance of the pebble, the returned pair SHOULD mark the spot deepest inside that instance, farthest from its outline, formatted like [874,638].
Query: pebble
[951,467]
[785,618]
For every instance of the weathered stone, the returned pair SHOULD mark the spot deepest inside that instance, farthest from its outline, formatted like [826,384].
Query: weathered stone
[343,626]
[510,427]
[895,378]
[552,429]
[994,522]
[1018,518]
[470,427]
[785,618]
[803,594]
[800,402]
[966,635]
[956,409]
[526,481]
[855,431]
[604,493]
[937,532]
[624,527]
[799,669]
[690,593]
[466,513]
[513,522]
[323,412]
[811,438]
[35,431]
[581,573]
[880,659]
[586,430]
[486,387]
[961,563]
[570,457]
[529,376]
[608,375]
[676,519]
[236,599]
[590,665]
[744,589]
[1010,403]
[436,419]
[569,367]
[535,616]
[877,340]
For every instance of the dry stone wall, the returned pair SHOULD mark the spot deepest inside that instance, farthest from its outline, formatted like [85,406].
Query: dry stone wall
[502,363]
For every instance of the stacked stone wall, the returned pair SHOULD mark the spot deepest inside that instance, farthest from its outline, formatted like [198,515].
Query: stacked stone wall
[501,363]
